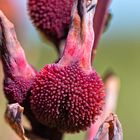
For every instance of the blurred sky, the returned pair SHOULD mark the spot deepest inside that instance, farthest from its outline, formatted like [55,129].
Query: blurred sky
[126,11]
[126,16]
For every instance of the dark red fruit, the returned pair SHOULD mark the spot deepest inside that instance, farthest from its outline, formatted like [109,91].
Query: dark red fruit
[16,88]
[69,95]
[51,16]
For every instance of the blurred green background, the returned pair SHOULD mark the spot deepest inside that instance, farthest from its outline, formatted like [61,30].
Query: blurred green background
[119,50]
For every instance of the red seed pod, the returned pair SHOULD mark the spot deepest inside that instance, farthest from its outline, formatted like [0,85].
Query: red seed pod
[52,17]
[69,95]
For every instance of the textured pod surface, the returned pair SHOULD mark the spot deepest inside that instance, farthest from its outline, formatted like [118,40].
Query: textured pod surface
[51,16]
[16,88]
[66,97]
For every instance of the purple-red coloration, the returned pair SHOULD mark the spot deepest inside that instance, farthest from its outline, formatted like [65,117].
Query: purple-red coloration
[51,16]
[16,88]
[18,78]
[66,97]
[18,74]
[69,95]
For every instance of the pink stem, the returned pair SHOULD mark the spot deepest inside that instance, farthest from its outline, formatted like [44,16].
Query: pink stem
[100,18]
[80,38]
[11,53]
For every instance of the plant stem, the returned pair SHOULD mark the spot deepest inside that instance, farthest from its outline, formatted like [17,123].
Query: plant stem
[100,19]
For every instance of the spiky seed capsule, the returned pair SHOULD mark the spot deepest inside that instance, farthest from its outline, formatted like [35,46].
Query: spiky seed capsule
[16,89]
[52,17]
[66,97]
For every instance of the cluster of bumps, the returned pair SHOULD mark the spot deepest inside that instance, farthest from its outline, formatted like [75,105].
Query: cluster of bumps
[51,17]
[64,96]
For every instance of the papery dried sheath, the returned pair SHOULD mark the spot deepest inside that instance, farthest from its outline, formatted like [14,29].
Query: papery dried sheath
[111,129]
